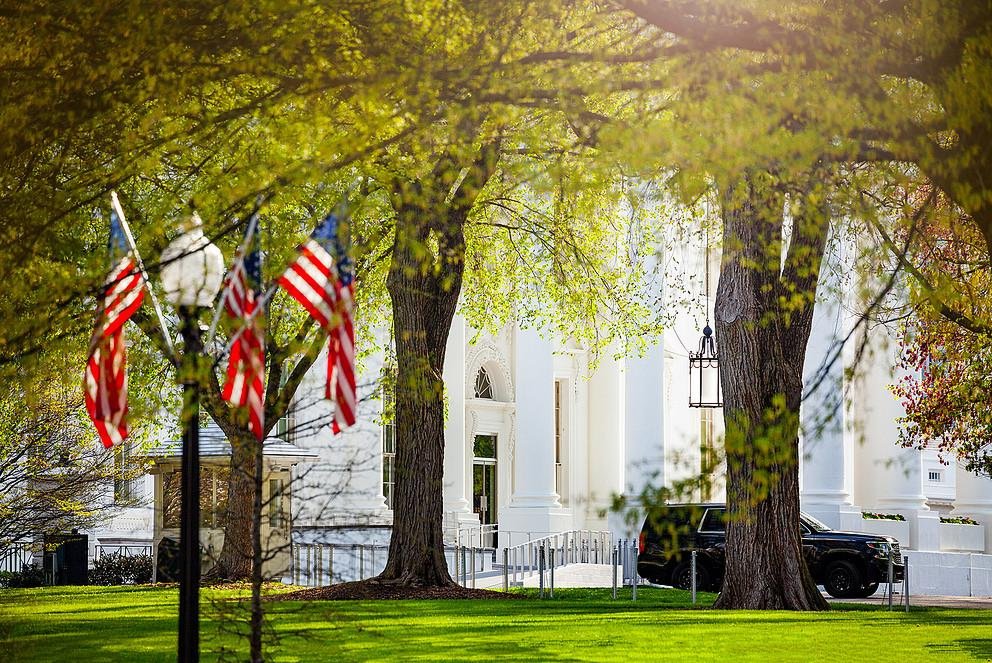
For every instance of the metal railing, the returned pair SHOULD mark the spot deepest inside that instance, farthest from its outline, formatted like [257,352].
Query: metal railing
[477,536]
[323,564]
[543,555]
[16,555]
[124,550]
[468,563]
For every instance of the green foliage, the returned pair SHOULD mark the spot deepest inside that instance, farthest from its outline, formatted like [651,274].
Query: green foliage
[30,575]
[871,515]
[119,569]
[959,520]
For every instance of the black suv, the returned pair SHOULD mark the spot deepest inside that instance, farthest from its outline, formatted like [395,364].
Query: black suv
[846,564]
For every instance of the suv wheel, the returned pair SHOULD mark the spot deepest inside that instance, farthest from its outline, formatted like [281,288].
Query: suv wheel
[682,576]
[843,580]
[867,590]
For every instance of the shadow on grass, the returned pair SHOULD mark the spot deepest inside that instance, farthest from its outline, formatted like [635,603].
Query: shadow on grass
[139,624]
[979,648]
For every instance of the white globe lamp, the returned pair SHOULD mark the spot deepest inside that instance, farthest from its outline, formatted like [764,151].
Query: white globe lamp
[192,267]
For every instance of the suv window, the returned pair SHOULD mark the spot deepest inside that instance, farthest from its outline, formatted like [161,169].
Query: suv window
[713,521]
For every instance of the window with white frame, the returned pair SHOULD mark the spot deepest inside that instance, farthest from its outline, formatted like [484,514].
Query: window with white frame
[561,442]
[935,476]
[286,426]
[388,443]
[127,485]
[214,481]
[278,504]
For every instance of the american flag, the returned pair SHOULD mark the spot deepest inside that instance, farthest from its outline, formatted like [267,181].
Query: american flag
[105,381]
[341,352]
[246,365]
[325,288]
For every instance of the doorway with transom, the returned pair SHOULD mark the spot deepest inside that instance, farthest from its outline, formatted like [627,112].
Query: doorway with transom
[484,482]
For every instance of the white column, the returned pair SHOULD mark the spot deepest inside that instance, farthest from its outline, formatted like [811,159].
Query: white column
[534,506]
[606,440]
[826,449]
[682,457]
[644,422]
[974,499]
[457,502]
[534,458]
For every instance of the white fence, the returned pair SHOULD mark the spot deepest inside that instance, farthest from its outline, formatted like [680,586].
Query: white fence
[16,555]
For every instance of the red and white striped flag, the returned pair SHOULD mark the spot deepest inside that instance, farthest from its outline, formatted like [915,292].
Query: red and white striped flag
[325,288]
[105,381]
[341,357]
[245,386]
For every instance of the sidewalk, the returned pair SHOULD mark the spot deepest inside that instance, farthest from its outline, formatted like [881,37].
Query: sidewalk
[973,602]
[600,575]
[572,575]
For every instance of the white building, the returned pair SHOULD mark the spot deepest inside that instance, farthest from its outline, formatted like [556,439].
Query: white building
[541,435]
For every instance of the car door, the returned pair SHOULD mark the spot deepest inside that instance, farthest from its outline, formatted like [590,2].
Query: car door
[711,538]
[810,551]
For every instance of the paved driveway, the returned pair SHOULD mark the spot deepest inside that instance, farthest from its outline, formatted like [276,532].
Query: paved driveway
[977,602]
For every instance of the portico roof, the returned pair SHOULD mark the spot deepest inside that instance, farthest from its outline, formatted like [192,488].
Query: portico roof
[214,444]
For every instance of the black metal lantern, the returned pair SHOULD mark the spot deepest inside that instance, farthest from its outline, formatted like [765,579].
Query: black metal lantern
[704,373]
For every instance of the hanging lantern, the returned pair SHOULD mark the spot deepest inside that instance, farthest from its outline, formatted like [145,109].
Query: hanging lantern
[704,373]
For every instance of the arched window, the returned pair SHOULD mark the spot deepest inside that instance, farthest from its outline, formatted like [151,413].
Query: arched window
[483,386]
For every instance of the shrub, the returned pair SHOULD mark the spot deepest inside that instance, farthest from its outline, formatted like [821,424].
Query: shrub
[30,575]
[120,569]
[869,515]
[959,520]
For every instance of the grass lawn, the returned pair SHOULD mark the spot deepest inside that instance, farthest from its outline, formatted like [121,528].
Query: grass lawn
[139,624]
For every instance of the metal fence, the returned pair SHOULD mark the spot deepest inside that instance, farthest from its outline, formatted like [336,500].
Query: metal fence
[318,565]
[16,555]
[477,536]
[125,550]
[322,564]
[555,550]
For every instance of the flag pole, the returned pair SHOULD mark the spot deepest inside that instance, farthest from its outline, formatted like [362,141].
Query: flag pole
[144,273]
[262,301]
[242,250]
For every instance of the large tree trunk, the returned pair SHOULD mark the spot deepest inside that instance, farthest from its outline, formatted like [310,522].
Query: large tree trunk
[235,559]
[762,335]
[240,527]
[424,283]
[424,302]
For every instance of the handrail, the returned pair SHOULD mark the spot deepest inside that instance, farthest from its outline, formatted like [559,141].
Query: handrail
[475,531]
[322,564]
[538,556]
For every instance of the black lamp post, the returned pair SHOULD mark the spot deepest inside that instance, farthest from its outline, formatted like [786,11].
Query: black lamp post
[192,269]
[189,526]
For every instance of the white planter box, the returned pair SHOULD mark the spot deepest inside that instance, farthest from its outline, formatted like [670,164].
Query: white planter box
[898,529]
[966,538]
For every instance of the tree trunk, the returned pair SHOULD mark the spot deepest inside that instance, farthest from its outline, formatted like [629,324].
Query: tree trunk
[235,559]
[424,283]
[762,347]
[424,301]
